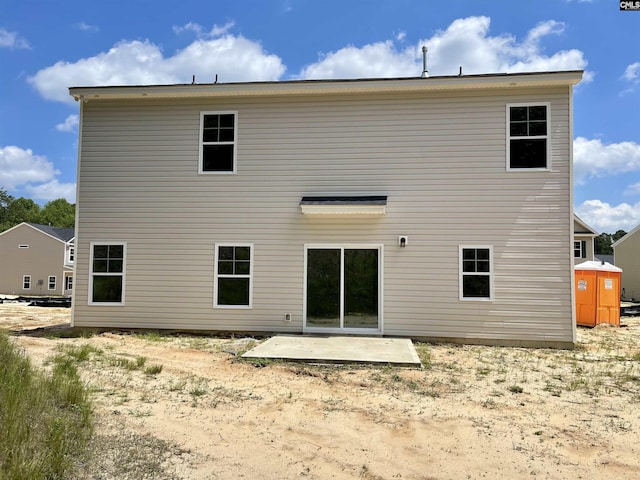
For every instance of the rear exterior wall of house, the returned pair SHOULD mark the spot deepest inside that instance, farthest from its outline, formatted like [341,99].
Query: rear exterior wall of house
[440,158]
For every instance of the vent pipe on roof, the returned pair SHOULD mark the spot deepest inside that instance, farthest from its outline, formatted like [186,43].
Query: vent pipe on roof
[425,72]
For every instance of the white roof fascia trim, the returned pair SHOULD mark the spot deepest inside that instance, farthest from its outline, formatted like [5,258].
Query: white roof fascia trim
[310,87]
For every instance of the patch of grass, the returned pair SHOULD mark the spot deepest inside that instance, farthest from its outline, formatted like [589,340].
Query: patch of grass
[424,353]
[152,336]
[516,389]
[70,333]
[46,419]
[128,364]
[153,370]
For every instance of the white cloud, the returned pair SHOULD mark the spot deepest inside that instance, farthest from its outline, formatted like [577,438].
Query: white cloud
[85,27]
[232,58]
[12,40]
[633,189]
[35,173]
[373,60]
[199,30]
[52,191]
[632,73]
[69,125]
[20,167]
[592,158]
[609,218]
[466,42]
[632,76]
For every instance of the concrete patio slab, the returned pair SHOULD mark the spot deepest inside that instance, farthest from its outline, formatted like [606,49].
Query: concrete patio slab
[338,349]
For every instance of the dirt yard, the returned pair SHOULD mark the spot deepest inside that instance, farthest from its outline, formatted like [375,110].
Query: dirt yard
[186,407]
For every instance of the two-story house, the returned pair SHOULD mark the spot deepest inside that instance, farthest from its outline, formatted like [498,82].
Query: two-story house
[583,241]
[425,207]
[627,256]
[36,260]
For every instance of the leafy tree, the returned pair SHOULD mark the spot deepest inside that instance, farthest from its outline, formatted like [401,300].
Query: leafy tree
[604,241]
[58,213]
[5,200]
[22,210]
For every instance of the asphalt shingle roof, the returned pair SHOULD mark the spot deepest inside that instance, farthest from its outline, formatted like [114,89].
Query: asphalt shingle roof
[64,234]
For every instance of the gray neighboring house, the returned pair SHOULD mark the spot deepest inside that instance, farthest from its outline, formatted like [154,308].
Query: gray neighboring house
[36,260]
[435,208]
[583,241]
[626,252]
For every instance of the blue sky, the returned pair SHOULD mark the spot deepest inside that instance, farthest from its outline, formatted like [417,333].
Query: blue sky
[47,46]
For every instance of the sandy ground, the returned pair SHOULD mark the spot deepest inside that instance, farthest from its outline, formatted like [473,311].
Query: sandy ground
[472,412]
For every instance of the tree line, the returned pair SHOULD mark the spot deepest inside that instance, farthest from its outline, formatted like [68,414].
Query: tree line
[57,213]
[603,242]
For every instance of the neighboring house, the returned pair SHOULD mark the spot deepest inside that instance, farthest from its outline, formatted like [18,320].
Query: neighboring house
[36,260]
[583,241]
[626,252]
[425,207]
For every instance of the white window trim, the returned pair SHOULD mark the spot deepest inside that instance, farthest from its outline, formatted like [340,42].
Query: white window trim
[55,282]
[24,280]
[216,275]
[123,274]
[547,136]
[579,249]
[461,274]
[202,143]
[67,279]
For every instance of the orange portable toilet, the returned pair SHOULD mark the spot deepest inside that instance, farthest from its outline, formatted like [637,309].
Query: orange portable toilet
[597,293]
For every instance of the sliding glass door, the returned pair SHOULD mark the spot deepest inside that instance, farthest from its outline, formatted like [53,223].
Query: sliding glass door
[343,289]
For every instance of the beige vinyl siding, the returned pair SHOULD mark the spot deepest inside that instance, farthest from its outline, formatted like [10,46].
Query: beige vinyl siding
[440,159]
[43,258]
[627,257]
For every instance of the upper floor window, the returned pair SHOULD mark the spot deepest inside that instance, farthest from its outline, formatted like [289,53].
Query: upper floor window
[72,252]
[218,133]
[528,137]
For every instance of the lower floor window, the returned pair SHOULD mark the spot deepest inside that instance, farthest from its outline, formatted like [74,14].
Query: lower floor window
[476,270]
[26,282]
[52,282]
[68,283]
[233,275]
[107,273]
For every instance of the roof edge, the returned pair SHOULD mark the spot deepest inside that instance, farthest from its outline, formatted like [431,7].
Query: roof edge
[310,87]
[627,235]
